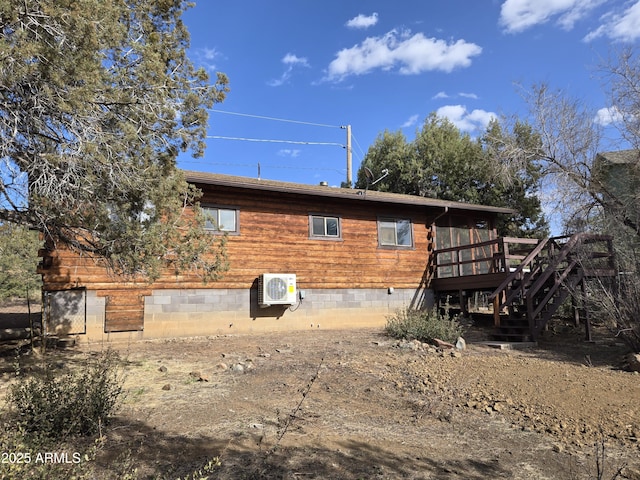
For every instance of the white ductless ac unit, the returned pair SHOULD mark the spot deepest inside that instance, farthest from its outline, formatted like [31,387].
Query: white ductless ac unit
[276,289]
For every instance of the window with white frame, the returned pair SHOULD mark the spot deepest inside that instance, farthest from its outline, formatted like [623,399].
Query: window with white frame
[219,219]
[395,232]
[324,227]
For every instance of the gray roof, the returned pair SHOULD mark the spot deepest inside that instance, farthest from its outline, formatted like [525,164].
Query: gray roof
[204,178]
[620,156]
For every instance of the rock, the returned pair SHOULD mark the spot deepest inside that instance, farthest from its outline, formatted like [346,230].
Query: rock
[198,377]
[442,344]
[162,369]
[264,355]
[237,367]
[456,354]
[632,362]
[221,367]
[166,387]
[406,346]
[461,344]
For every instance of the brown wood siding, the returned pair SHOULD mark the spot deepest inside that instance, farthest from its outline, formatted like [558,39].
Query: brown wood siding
[124,310]
[274,237]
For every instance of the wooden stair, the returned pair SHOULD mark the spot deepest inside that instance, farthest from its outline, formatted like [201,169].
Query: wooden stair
[554,269]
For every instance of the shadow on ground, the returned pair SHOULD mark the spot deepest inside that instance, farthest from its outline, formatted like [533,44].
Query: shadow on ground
[567,343]
[158,454]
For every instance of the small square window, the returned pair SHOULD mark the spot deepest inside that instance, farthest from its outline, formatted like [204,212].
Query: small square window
[403,229]
[324,227]
[395,232]
[317,228]
[220,219]
[387,233]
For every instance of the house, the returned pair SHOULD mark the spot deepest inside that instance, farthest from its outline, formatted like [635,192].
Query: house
[617,174]
[337,258]
[616,177]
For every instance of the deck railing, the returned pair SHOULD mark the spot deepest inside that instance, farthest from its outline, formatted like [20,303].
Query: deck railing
[529,278]
[492,256]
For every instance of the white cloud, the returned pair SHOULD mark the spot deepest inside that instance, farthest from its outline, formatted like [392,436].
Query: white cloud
[206,58]
[411,54]
[519,15]
[411,121]
[607,116]
[623,27]
[288,152]
[363,21]
[291,61]
[440,95]
[209,53]
[463,119]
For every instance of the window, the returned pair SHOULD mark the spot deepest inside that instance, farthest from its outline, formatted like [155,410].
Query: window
[393,232]
[321,226]
[220,219]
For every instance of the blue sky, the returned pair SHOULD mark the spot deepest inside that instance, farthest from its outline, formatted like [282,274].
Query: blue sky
[380,65]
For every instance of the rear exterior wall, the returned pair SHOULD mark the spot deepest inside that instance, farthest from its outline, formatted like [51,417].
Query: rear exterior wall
[349,281]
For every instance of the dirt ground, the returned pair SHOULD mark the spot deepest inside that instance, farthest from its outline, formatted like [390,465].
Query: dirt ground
[359,405]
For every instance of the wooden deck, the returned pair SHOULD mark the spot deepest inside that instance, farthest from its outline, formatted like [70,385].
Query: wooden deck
[479,266]
[530,279]
[484,281]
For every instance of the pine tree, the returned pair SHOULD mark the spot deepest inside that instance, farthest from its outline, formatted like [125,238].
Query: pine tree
[18,261]
[442,162]
[97,99]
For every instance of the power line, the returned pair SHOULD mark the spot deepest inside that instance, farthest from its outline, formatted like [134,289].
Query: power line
[359,147]
[275,119]
[253,165]
[274,141]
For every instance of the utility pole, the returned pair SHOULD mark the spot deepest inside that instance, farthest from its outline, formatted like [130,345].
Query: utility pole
[349,174]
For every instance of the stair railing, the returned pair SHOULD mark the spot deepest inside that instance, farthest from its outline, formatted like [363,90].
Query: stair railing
[519,274]
[556,259]
[552,257]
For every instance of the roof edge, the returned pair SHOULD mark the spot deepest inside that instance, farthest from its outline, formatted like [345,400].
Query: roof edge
[205,178]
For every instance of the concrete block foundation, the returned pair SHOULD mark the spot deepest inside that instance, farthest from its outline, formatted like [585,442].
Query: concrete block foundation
[196,312]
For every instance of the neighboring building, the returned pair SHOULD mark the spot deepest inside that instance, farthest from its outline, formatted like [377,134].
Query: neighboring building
[617,176]
[357,257]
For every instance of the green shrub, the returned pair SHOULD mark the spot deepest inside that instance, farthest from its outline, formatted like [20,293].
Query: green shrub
[423,325]
[18,260]
[55,405]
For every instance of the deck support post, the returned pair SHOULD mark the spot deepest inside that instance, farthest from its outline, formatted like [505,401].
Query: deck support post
[496,310]
[575,310]
[587,319]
